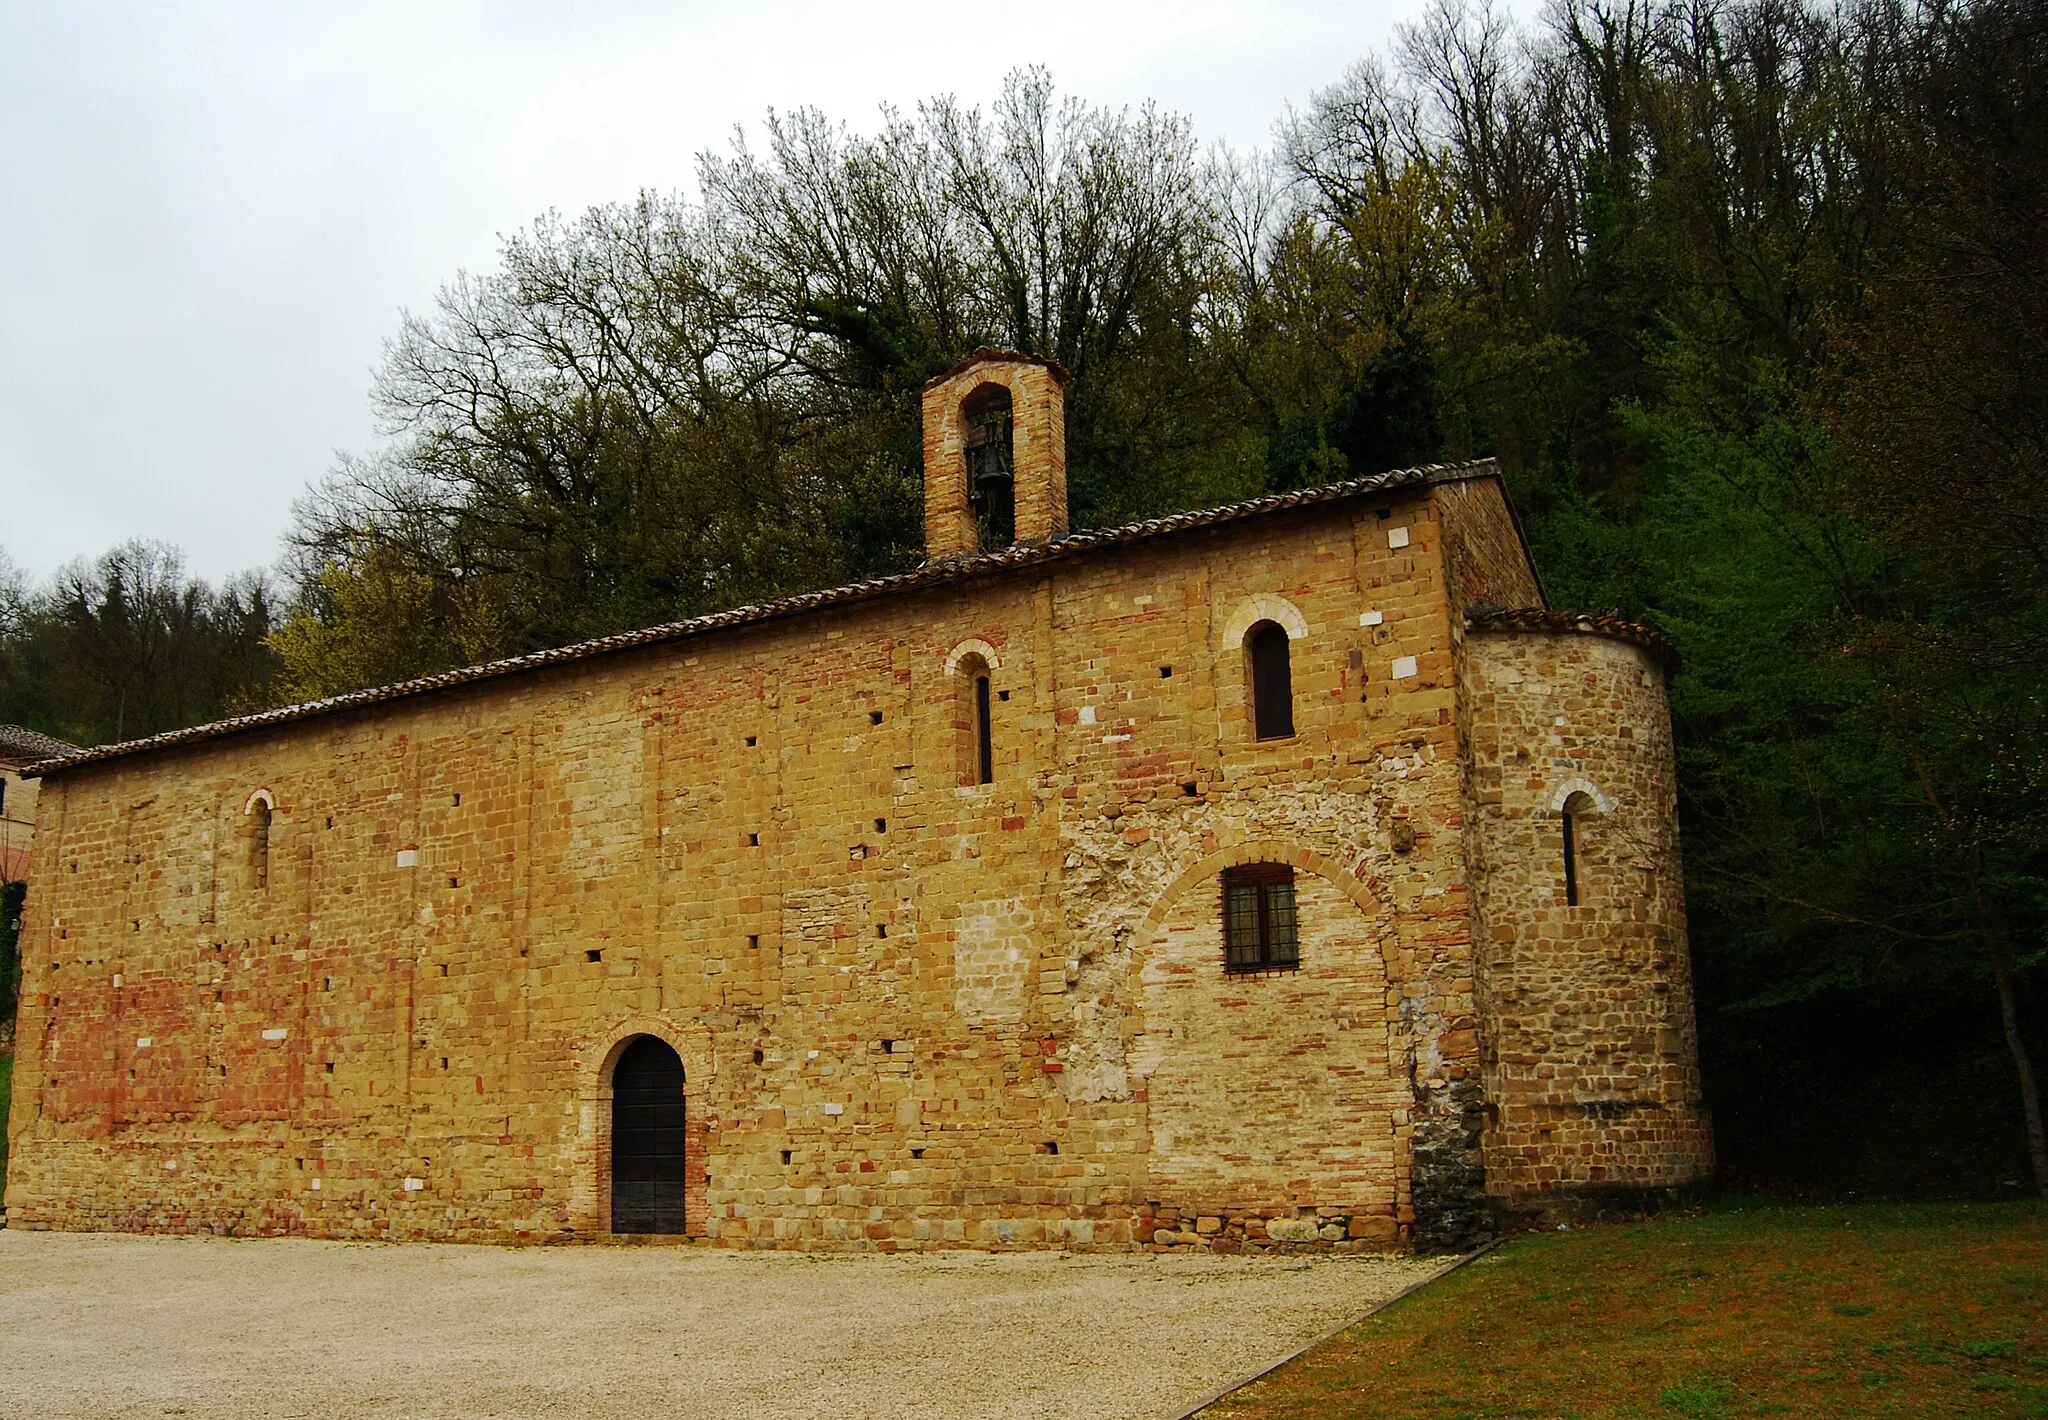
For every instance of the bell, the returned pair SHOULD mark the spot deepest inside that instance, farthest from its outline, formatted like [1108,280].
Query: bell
[994,465]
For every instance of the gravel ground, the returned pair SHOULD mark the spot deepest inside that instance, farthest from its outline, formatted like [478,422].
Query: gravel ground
[103,1325]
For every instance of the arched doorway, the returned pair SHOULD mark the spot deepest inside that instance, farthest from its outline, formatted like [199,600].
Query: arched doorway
[647,1138]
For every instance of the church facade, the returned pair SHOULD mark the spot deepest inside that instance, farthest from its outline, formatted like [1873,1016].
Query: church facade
[1285,875]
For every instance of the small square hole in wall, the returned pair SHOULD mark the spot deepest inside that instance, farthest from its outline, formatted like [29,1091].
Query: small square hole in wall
[444,968]
[760,1057]
[1190,788]
[444,1062]
[593,955]
[330,820]
[752,741]
[1166,672]
[1052,1146]
[457,801]
[753,941]
[326,983]
[881,929]
[874,717]
[917,1152]
[330,1067]
[455,882]
[789,1156]
[753,840]
[881,825]
[1002,695]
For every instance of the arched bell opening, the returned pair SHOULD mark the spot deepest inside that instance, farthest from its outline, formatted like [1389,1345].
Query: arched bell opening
[985,431]
[648,1138]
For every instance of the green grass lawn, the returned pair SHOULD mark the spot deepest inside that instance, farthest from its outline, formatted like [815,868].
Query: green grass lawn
[1908,1310]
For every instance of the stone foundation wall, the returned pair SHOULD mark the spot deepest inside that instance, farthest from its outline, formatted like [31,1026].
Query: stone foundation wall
[913,1011]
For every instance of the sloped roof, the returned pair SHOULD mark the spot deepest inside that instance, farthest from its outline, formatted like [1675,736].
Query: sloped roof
[989,355]
[21,745]
[1536,618]
[933,574]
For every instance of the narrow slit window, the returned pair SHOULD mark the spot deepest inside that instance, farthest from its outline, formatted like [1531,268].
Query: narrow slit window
[259,845]
[1572,822]
[1259,926]
[1272,681]
[1571,859]
[984,734]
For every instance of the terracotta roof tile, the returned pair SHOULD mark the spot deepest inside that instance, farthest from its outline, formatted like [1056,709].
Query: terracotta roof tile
[1536,618]
[932,574]
[21,745]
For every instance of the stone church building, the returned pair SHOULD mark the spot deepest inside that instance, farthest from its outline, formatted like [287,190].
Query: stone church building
[1280,875]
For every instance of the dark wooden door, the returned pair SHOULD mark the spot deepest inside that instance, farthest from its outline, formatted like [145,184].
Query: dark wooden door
[647,1139]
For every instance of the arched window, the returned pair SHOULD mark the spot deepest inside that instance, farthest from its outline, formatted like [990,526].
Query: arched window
[991,475]
[974,719]
[984,733]
[259,844]
[1577,809]
[1259,932]
[1272,681]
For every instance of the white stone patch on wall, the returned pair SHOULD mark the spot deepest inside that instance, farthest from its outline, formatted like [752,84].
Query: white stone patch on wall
[992,956]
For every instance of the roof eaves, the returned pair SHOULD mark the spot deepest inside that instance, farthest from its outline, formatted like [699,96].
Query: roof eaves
[988,354]
[1615,628]
[21,746]
[932,574]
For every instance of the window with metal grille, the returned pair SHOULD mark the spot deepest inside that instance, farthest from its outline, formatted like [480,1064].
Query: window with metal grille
[1258,918]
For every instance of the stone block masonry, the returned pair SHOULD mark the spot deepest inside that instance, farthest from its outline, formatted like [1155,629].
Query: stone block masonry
[365,970]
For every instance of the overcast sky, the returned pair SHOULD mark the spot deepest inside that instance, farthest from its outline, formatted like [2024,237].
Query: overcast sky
[211,214]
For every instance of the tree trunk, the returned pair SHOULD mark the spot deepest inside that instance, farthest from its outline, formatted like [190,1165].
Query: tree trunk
[2030,1091]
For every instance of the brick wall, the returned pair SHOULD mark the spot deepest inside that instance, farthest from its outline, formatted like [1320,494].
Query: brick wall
[912,1011]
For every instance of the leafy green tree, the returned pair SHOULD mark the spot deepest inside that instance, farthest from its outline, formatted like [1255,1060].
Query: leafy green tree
[128,645]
